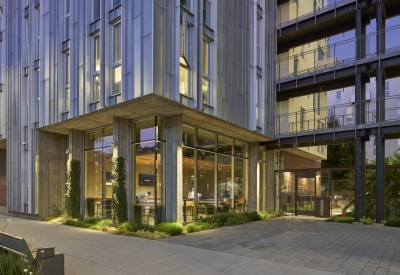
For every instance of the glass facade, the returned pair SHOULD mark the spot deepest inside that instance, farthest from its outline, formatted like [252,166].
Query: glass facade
[98,172]
[213,170]
[148,153]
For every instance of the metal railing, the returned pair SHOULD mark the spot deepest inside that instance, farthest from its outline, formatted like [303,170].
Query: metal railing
[341,115]
[294,11]
[338,54]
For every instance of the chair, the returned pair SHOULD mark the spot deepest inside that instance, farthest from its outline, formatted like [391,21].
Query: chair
[239,203]
[97,206]
[189,208]
[149,212]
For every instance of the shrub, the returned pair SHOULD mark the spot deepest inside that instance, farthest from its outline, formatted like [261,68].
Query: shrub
[367,221]
[171,228]
[341,219]
[125,227]
[393,221]
[119,199]
[73,198]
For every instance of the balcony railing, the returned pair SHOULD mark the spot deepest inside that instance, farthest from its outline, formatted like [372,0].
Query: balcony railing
[344,115]
[294,11]
[338,54]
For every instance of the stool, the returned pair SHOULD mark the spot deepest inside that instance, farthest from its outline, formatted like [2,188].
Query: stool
[97,207]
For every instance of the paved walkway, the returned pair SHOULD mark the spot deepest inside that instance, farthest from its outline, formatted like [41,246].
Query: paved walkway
[335,247]
[92,252]
[285,245]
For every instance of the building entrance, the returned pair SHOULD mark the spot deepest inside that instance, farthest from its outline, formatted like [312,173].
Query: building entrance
[305,192]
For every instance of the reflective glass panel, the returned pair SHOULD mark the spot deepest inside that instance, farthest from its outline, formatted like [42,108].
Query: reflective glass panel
[240,184]
[94,139]
[144,130]
[188,183]
[206,183]
[96,88]
[225,184]
[188,135]
[225,145]
[94,182]
[117,79]
[184,81]
[206,140]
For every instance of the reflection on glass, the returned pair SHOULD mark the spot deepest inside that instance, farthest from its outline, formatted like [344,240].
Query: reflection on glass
[205,91]
[117,80]
[144,130]
[287,190]
[225,145]
[94,139]
[188,180]
[188,135]
[107,136]
[206,140]
[67,100]
[117,42]
[240,184]
[96,52]
[96,88]
[225,185]
[184,81]
[206,183]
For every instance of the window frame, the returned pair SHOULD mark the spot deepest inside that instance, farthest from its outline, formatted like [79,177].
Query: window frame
[67,17]
[67,80]
[185,53]
[95,71]
[206,75]
[116,62]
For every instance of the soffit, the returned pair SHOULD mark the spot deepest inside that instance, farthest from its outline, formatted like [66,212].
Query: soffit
[151,105]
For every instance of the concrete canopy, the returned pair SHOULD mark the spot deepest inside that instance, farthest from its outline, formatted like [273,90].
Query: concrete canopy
[154,105]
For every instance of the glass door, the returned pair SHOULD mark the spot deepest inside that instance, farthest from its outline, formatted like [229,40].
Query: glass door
[305,193]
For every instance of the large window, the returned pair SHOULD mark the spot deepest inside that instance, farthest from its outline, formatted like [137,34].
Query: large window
[117,74]
[67,83]
[184,60]
[206,73]
[213,170]
[96,69]
[187,4]
[98,168]
[258,101]
[148,153]
[207,12]
[67,17]
[258,41]
[96,10]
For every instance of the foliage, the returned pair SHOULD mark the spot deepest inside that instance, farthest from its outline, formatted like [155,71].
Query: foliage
[306,207]
[338,155]
[392,188]
[119,199]
[393,221]
[341,219]
[171,228]
[90,223]
[229,218]
[367,221]
[11,264]
[73,199]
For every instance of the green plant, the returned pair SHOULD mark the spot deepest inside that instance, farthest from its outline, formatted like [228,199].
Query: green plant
[340,219]
[73,200]
[367,221]
[171,228]
[393,221]
[119,199]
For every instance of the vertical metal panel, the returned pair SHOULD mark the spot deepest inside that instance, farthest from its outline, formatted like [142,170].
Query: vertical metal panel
[158,52]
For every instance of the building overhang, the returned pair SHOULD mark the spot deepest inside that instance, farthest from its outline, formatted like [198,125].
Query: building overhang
[154,105]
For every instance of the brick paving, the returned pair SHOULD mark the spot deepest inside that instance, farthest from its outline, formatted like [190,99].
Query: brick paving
[342,248]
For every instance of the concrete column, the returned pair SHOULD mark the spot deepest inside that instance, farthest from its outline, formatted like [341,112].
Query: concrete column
[76,146]
[173,169]
[254,156]
[3,179]
[122,148]
[380,178]
[51,172]
[270,180]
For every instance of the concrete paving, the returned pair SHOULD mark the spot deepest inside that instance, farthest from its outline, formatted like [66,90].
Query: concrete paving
[311,243]
[93,252]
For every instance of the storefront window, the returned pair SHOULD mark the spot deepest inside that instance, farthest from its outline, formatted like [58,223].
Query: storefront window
[98,169]
[148,170]
[210,184]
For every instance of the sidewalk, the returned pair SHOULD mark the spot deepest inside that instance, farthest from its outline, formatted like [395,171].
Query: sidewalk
[93,252]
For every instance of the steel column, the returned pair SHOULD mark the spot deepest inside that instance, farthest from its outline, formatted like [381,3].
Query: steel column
[357,182]
[380,178]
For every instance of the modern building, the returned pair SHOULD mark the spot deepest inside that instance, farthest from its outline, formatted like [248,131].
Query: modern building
[183,90]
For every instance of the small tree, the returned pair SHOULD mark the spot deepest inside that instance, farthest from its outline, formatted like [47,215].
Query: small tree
[73,200]
[119,199]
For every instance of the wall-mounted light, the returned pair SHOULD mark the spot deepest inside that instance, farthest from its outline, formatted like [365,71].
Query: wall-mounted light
[181,143]
[68,151]
[114,143]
